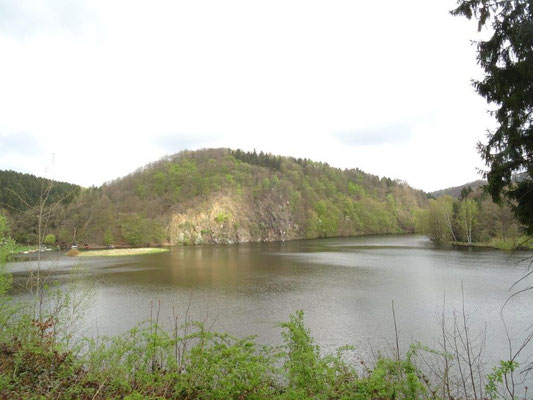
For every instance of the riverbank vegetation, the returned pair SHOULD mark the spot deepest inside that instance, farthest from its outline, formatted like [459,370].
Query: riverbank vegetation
[473,219]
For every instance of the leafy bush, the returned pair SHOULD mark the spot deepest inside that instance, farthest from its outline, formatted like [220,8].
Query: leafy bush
[221,217]
[49,239]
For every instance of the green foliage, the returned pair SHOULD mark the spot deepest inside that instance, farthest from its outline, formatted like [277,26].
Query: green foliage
[437,221]
[261,159]
[133,229]
[222,367]
[518,242]
[6,247]
[506,58]
[137,230]
[391,379]
[326,221]
[191,363]
[159,182]
[497,377]
[467,211]
[308,374]
[473,218]
[312,376]
[266,184]
[108,237]
[222,217]
[303,365]
[64,235]
[20,191]
[49,239]
[355,190]
[6,243]
[141,191]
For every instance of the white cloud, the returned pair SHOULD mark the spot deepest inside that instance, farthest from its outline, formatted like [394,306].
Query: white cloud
[114,85]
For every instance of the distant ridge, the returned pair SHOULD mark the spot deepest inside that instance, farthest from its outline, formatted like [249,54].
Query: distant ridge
[456,190]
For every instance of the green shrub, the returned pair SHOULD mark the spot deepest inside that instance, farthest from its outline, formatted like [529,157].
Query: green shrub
[49,239]
[221,217]
[108,237]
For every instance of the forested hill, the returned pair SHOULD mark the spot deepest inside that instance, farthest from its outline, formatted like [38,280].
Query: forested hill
[457,190]
[227,196]
[19,191]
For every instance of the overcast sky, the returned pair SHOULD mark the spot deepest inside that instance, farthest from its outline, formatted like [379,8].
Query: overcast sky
[92,90]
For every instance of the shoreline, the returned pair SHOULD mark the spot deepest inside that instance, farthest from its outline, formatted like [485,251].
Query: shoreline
[492,246]
[121,252]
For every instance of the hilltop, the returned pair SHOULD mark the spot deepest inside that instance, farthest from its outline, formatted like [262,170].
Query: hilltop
[230,196]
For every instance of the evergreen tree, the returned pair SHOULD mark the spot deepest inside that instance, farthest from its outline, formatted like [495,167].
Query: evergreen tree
[507,60]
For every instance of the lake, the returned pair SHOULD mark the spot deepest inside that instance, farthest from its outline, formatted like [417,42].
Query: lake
[344,285]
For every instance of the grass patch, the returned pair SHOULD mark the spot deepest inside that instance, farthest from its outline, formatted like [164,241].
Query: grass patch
[521,243]
[221,217]
[20,248]
[122,252]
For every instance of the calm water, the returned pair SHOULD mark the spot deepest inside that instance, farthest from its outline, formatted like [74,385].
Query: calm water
[345,286]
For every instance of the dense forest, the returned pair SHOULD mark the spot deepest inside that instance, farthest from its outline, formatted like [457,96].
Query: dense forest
[19,191]
[219,196]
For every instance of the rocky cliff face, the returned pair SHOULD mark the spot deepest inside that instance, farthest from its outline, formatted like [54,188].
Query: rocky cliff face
[227,220]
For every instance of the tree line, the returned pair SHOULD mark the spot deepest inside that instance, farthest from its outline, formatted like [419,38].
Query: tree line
[471,218]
